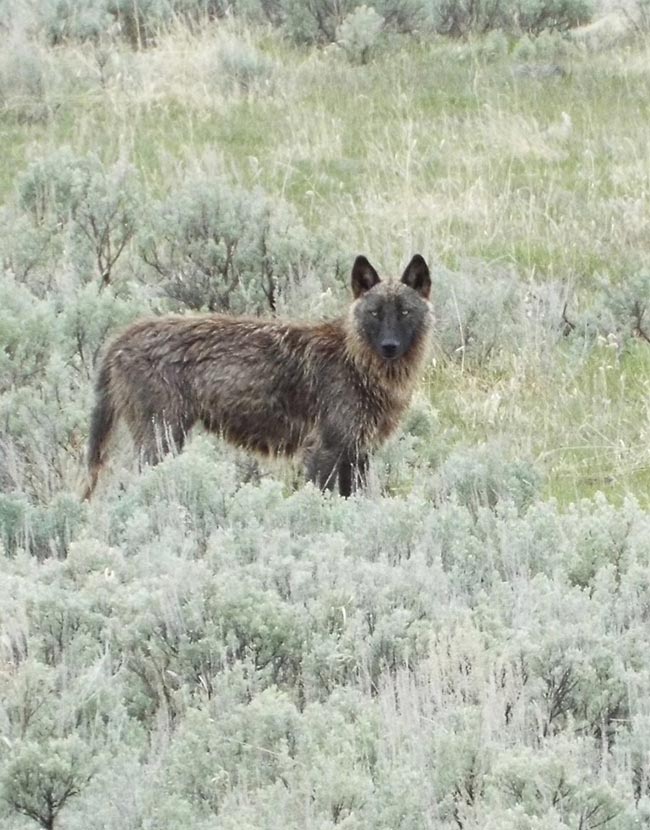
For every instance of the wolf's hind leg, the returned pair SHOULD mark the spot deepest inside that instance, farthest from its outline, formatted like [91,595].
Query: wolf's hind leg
[158,439]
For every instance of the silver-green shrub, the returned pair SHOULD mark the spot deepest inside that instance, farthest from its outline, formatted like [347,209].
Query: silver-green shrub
[213,244]
[482,314]
[41,778]
[25,81]
[48,348]
[141,23]
[359,32]
[322,20]
[242,66]
[95,205]
[481,478]
[325,659]
[460,18]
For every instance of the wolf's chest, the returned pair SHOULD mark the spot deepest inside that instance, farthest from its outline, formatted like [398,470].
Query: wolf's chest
[388,407]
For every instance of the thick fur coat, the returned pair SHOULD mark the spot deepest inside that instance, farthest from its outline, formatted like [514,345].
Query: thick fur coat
[329,391]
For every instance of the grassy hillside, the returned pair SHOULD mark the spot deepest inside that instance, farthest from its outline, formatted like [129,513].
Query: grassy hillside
[211,643]
[528,188]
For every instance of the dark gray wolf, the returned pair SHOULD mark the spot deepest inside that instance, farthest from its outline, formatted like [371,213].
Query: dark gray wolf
[329,391]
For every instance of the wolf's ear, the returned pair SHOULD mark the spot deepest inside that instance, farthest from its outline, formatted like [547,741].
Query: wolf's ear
[417,276]
[364,276]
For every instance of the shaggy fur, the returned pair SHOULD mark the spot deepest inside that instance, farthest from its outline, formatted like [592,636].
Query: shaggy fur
[329,391]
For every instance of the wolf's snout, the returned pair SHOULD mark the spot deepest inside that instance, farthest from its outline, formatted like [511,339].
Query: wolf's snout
[389,348]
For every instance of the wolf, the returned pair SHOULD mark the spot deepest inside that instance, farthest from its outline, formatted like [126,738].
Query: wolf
[329,392]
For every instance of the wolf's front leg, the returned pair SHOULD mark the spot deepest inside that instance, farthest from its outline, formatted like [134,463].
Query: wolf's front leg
[353,471]
[326,464]
[322,465]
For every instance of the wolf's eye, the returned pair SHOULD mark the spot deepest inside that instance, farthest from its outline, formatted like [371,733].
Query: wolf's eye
[374,313]
[405,311]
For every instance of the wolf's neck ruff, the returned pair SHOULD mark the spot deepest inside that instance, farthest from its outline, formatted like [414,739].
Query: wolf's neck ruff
[389,384]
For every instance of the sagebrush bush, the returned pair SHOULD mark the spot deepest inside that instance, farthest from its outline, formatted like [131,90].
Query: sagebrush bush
[359,32]
[411,455]
[459,18]
[242,66]
[63,20]
[324,20]
[316,20]
[625,308]
[557,16]
[99,207]
[495,45]
[482,479]
[40,779]
[484,315]
[25,81]
[316,651]
[141,23]
[615,316]
[553,45]
[525,49]
[42,531]
[29,330]
[26,249]
[215,245]
[48,349]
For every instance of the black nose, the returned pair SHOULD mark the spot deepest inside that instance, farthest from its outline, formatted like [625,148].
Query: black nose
[389,348]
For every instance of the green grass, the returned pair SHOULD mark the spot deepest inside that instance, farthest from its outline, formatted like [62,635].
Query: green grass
[583,421]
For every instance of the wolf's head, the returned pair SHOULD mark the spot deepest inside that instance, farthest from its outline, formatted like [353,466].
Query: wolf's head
[391,317]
